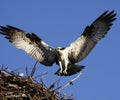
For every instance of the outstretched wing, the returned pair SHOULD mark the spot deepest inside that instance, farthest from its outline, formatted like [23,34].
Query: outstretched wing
[80,48]
[30,43]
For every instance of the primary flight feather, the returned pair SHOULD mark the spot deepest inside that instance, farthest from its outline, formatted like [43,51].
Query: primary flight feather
[64,57]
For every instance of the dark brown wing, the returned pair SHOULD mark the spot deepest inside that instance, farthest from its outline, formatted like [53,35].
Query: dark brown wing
[80,48]
[30,43]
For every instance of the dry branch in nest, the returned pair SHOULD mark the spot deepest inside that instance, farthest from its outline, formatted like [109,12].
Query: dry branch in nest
[16,87]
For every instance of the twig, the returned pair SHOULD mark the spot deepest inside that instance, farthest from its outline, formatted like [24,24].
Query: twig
[34,69]
[27,72]
[18,69]
[70,82]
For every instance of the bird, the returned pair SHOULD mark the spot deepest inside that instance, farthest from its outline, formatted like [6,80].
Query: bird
[65,57]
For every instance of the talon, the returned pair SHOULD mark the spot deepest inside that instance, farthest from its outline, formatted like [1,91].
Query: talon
[60,71]
[64,72]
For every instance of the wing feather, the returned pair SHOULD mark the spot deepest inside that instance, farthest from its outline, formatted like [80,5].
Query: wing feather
[30,43]
[81,47]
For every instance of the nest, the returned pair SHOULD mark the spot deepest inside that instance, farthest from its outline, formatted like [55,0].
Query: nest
[16,87]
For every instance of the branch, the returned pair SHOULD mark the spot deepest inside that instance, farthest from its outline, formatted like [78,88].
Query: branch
[70,82]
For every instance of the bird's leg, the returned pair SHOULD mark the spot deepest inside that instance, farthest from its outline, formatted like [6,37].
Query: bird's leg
[65,71]
[61,69]
[66,67]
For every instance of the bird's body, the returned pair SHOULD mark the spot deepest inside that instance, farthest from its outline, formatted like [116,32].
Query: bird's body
[64,57]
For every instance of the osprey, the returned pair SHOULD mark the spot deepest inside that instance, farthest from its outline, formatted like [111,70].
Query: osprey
[64,57]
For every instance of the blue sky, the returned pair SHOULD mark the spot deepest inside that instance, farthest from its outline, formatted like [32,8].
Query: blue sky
[59,22]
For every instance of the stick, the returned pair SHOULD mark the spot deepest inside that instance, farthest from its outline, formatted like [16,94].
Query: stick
[70,82]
